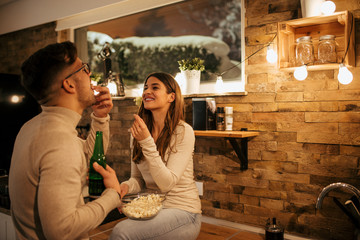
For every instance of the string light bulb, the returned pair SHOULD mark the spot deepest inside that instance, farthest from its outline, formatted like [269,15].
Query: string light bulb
[271,55]
[328,7]
[179,77]
[301,73]
[16,98]
[219,85]
[112,88]
[344,76]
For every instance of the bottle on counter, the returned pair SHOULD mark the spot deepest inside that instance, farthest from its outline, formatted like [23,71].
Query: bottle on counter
[228,118]
[220,119]
[273,230]
[96,183]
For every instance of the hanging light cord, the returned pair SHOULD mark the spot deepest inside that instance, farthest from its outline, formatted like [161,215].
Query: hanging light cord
[265,45]
[347,48]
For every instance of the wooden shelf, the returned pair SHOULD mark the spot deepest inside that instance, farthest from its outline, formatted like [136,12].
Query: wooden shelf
[319,67]
[227,134]
[340,24]
[241,151]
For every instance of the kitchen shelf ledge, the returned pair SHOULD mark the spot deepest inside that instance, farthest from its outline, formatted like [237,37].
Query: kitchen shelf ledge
[241,151]
[225,94]
[329,66]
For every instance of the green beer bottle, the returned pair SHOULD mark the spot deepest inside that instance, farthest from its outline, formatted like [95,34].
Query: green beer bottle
[96,183]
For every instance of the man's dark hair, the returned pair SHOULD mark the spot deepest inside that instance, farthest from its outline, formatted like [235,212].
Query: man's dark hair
[39,71]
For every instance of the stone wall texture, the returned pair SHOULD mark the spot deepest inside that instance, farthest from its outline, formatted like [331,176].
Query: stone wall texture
[16,47]
[309,133]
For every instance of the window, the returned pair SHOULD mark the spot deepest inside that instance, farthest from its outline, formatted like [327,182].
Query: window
[155,39]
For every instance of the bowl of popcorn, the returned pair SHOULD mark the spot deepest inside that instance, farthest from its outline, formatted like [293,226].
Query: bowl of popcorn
[142,206]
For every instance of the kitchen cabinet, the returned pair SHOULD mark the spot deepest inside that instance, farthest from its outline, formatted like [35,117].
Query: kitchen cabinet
[240,150]
[340,24]
[7,230]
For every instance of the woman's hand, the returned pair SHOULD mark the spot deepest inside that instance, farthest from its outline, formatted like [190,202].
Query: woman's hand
[124,189]
[103,103]
[109,175]
[139,129]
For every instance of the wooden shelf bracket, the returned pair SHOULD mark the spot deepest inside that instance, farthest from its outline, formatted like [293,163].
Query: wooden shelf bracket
[240,150]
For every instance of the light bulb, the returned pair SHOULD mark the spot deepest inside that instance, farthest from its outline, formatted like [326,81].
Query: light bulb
[112,88]
[182,82]
[271,55]
[219,85]
[344,76]
[328,7]
[301,73]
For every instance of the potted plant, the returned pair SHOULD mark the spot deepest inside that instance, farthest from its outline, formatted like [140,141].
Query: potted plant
[191,70]
[191,64]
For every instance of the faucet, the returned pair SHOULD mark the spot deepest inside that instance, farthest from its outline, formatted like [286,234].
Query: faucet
[333,186]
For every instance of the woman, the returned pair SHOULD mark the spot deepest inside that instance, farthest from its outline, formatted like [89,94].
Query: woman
[163,161]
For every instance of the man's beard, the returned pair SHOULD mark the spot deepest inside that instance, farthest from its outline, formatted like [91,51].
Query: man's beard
[87,99]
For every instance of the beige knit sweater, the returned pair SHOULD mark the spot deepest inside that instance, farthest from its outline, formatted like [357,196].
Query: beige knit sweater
[47,174]
[173,176]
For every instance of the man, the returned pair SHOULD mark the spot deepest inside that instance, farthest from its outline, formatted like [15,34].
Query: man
[49,163]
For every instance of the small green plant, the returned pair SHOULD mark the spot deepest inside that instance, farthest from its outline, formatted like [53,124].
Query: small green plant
[191,64]
[138,101]
[97,77]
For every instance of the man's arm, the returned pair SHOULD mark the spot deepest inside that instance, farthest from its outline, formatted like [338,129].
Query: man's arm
[100,120]
[59,194]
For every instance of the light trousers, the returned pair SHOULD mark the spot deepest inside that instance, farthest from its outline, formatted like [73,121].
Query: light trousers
[169,224]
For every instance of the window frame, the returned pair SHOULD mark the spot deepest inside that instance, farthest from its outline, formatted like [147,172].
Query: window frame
[125,8]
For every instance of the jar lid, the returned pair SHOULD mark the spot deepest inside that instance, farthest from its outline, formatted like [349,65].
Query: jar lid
[327,37]
[228,110]
[304,38]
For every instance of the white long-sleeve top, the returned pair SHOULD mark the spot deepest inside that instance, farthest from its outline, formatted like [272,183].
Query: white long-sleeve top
[173,176]
[47,174]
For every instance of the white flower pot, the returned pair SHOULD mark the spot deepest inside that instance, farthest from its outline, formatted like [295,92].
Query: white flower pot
[192,78]
[311,8]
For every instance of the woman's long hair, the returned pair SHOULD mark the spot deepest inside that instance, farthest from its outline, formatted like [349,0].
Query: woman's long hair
[172,119]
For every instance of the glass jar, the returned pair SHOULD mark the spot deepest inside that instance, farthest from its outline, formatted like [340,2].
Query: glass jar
[327,49]
[220,119]
[304,51]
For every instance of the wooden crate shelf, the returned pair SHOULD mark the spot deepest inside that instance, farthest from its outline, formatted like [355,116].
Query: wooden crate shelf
[338,24]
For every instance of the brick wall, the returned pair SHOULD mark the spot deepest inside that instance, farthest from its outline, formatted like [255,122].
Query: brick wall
[310,137]
[17,46]
[309,134]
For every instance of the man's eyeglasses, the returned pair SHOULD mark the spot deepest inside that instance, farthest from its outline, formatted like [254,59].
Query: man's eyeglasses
[86,68]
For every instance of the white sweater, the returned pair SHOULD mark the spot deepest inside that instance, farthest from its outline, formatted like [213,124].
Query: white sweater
[175,176]
[47,174]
